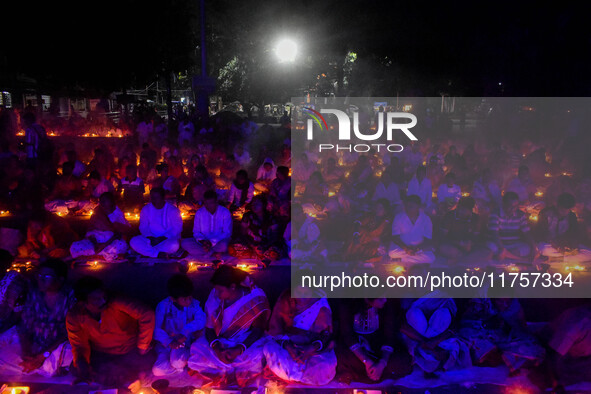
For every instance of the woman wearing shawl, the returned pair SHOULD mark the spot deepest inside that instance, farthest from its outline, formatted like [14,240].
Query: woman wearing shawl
[237,314]
[265,175]
[302,348]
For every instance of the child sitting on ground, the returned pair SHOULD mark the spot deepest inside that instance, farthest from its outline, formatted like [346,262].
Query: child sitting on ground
[179,322]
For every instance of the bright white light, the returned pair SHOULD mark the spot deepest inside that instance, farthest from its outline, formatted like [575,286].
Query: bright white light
[286,50]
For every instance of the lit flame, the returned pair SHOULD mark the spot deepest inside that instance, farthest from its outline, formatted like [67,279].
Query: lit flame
[331,194]
[548,175]
[533,218]
[465,194]
[398,269]
[245,266]
[574,268]
[539,194]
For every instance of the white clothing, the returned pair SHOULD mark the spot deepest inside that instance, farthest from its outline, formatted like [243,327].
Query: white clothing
[236,194]
[412,233]
[214,228]
[422,189]
[10,357]
[171,321]
[110,252]
[142,245]
[420,257]
[165,222]
[264,175]
[242,160]
[390,193]
[319,369]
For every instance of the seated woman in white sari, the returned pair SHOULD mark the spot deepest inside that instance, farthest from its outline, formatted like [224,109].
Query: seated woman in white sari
[302,348]
[237,314]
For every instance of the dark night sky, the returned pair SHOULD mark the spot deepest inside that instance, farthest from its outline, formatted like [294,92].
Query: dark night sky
[533,49]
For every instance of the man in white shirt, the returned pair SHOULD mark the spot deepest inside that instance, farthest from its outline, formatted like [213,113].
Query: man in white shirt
[449,193]
[144,130]
[241,156]
[413,157]
[160,227]
[211,230]
[186,132]
[388,189]
[412,231]
[179,322]
[420,186]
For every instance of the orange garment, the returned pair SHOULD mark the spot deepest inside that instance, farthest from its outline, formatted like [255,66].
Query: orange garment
[124,325]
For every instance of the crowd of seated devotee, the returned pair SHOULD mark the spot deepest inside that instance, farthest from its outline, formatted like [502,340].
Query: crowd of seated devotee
[469,205]
[452,208]
[152,181]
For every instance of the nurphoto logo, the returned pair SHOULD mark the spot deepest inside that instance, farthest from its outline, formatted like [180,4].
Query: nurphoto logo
[373,134]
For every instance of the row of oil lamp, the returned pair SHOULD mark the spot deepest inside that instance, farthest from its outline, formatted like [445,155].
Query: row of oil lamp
[192,266]
[89,134]
[128,215]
